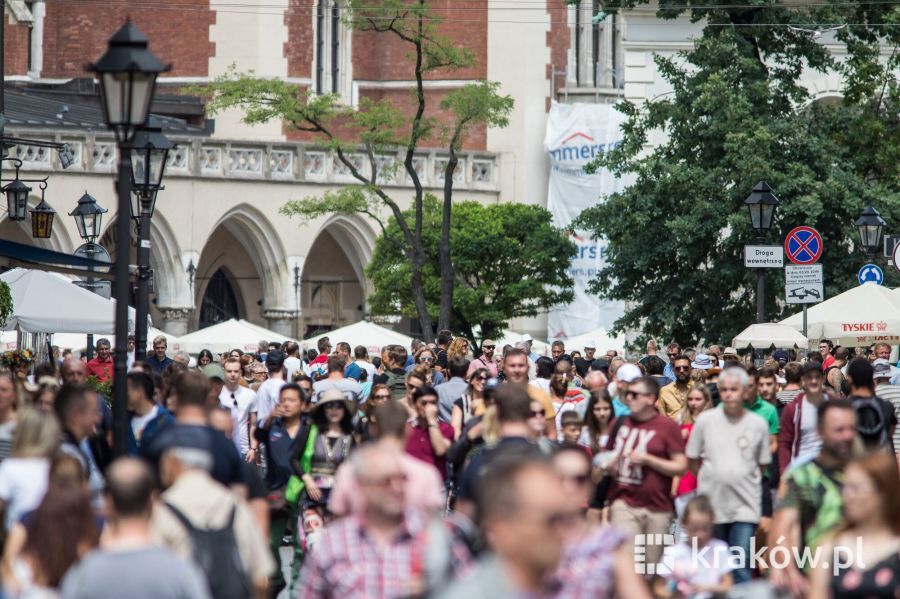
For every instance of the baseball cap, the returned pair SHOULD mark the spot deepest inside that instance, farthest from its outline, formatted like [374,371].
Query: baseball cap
[275,358]
[628,372]
[599,364]
[526,338]
[780,356]
[214,371]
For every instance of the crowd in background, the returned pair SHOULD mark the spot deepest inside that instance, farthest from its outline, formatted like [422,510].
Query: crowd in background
[452,470]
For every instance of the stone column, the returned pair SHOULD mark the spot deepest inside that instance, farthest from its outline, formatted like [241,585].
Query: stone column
[281,321]
[177,320]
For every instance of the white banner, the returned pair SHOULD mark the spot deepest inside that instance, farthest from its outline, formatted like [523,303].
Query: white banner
[576,134]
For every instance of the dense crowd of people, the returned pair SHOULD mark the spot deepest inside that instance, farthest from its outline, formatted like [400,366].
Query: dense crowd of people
[453,470]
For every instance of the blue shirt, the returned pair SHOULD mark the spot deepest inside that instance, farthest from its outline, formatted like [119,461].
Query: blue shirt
[279,448]
[162,419]
[158,366]
[620,409]
[669,372]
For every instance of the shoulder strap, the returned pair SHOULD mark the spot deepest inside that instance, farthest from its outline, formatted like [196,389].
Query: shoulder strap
[181,517]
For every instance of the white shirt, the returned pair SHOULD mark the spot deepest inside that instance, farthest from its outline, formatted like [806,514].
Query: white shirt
[23,483]
[138,423]
[708,566]
[241,402]
[292,365]
[267,397]
[368,367]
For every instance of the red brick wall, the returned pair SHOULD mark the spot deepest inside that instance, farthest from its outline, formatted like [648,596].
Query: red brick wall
[558,40]
[76,33]
[15,46]
[299,47]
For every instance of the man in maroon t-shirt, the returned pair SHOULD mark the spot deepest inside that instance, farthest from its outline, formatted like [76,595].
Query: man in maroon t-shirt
[647,452]
[427,438]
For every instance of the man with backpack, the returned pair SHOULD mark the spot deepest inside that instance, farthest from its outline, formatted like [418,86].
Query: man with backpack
[394,373]
[200,519]
[875,417]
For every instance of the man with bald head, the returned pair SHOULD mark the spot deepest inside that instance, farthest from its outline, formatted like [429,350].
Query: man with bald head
[74,372]
[368,555]
[130,564]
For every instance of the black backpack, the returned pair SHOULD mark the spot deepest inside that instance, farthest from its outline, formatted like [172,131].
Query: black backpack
[870,422]
[216,552]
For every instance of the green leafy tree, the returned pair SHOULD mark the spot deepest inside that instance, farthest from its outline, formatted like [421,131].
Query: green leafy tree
[6,303]
[509,261]
[379,127]
[737,115]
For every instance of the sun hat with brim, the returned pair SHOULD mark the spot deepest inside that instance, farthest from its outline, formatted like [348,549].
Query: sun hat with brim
[702,362]
[333,396]
[883,369]
[730,351]
[214,371]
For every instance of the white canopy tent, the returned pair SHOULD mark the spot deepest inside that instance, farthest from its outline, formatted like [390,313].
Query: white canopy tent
[225,336]
[45,302]
[859,316]
[368,334]
[767,334]
[602,340]
[512,337]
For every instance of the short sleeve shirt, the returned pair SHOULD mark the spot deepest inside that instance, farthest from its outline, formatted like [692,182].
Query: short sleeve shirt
[642,486]
[732,450]
[418,445]
[815,492]
[766,411]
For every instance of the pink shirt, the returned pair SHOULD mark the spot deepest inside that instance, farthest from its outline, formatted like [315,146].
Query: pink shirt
[424,488]
[482,363]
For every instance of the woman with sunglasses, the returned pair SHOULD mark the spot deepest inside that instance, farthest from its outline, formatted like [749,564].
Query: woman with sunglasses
[471,403]
[459,348]
[426,357]
[379,396]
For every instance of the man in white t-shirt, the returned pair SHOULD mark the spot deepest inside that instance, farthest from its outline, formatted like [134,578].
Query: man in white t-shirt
[335,380]
[292,363]
[361,359]
[242,403]
[267,393]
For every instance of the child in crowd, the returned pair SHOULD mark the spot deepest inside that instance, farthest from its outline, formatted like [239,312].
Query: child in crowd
[570,427]
[700,566]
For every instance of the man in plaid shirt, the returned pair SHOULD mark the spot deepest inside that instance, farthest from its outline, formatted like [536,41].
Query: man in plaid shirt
[387,552]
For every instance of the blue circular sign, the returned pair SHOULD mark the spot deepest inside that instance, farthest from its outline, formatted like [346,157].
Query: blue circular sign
[870,273]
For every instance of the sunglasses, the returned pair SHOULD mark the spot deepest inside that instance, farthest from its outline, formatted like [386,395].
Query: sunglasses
[426,359]
[630,394]
[334,406]
[381,396]
[536,413]
[681,368]
[673,356]
[489,346]
[480,378]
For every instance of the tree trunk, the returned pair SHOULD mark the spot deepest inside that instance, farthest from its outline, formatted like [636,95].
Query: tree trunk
[418,293]
[444,259]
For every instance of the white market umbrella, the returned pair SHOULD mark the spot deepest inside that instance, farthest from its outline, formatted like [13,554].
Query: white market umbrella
[512,337]
[859,316]
[225,336]
[45,302]
[368,334]
[768,334]
[599,337]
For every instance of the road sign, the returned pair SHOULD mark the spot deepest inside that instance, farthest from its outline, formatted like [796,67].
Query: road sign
[890,242]
[870,273]
[803,245]
[804,284]
[763,256]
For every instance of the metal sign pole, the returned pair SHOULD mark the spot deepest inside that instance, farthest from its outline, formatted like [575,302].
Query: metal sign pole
[804,320]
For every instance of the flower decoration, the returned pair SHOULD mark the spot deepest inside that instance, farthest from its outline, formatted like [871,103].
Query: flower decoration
[16,358]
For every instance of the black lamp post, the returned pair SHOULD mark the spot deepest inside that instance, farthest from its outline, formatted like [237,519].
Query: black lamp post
[870,226]
[88,217]
[761,203]
[149,152]
[127,74]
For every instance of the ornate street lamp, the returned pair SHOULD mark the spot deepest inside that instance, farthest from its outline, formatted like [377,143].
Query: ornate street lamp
[88,217]
[42,218]
[762,203]
[16,198]
[127,75]
[870,226]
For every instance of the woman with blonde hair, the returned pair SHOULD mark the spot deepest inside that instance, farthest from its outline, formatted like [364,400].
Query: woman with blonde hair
[23,475]
[459,348]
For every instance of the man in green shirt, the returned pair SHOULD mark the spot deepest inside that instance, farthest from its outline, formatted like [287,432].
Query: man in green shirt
[809,502]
